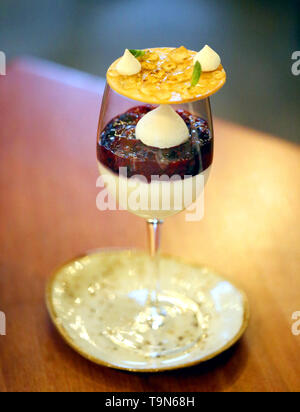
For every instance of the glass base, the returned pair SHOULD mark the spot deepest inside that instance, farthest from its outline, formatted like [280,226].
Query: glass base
[173,325]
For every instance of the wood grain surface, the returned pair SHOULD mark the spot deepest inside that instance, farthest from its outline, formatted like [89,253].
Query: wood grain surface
[250,233]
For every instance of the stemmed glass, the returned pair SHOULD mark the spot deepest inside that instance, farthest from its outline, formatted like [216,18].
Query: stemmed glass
[157,315]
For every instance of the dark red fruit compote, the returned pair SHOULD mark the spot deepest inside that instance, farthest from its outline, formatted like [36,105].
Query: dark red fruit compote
[118,147]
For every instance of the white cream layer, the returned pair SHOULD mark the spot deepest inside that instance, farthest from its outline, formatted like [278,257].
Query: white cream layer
[152,200]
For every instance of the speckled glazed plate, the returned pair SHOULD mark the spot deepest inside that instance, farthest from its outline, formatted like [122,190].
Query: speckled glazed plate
[86,296]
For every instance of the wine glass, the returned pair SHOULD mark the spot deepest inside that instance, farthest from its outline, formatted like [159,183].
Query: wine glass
[169,181]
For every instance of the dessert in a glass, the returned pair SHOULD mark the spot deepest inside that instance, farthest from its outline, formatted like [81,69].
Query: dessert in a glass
[155,150]
[156,139]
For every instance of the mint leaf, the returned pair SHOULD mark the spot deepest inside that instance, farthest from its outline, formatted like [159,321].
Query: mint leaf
[137,53]
[196,74]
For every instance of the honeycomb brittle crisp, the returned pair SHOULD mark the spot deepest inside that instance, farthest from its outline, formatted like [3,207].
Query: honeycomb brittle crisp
[165,78]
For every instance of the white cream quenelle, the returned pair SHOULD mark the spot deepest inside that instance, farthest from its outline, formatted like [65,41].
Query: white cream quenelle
[128,65]
[208,58]
[162,128]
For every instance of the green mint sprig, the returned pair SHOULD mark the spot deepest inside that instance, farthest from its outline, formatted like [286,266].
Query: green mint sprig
[137,53]
[196,74]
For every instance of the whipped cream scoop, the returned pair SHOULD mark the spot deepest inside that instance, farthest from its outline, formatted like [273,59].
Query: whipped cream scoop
[162,128]
[128,65]
[208,58]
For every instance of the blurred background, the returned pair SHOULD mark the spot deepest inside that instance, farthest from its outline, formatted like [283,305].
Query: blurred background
[255,39]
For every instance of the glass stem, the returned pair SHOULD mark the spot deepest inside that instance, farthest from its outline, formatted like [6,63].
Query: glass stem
[154,227]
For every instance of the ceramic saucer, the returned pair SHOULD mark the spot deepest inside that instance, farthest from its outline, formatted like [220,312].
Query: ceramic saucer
[91,295]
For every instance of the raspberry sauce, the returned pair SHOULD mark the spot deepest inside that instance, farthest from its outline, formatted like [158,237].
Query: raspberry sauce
[118,147]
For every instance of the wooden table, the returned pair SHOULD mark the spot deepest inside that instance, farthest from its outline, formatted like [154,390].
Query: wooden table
[250,233]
